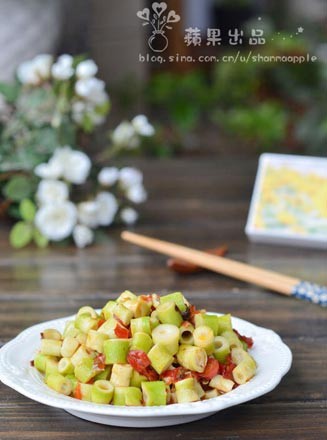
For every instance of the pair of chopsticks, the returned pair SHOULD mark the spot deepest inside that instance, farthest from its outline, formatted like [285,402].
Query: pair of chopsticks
[268,279]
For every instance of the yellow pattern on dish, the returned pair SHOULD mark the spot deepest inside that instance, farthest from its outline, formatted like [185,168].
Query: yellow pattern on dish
[292,201]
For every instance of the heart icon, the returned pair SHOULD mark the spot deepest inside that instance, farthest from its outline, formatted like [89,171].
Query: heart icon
[173,17]
[159,8]
[144,15]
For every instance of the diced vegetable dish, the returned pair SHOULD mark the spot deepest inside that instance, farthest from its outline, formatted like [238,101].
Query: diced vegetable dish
[145,350]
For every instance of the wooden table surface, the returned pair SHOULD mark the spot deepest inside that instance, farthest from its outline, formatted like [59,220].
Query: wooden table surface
[201,203]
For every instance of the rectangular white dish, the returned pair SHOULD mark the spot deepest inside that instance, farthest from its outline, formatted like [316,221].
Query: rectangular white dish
[289,201]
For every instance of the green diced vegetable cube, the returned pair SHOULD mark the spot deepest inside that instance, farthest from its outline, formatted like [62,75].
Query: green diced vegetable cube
[116,350]
[154,393]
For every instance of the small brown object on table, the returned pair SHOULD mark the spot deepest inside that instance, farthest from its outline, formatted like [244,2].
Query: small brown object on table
[183,267]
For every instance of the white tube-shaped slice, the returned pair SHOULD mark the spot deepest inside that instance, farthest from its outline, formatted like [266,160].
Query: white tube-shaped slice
[167,335]
[204,338]
[193,358]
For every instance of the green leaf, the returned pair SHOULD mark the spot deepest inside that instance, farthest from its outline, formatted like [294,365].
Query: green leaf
[78,59]
[87,124]
[13,212]
[185,116]
[9,91]
[43,142]
[40,240]
[66,132]
[36,106]
[18,188]
[103,109]
[27,210]
[21,234]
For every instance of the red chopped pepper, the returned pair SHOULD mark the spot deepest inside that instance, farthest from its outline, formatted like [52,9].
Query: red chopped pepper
[147,298]
[139,360]
[78,392]
[100,322]
[121,331]
[99,362]
[247,340]
[189,313]
[173,375]
[194,310]
[150,373]
[227,368]
[211,370]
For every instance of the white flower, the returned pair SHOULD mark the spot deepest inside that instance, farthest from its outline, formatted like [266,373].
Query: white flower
[142,126]
[88,213]
[62,69]
[83,236]
[91,89]
[129,216]
[136,194]
[86,69]
[125,135]
[75,164]
[52,191]
[129,176]
[42,65]
[108,176]
[27,73]
[56,221]
[72,165]
[80,109]
[50,170]
[108,207]
[65,60]
[98,212]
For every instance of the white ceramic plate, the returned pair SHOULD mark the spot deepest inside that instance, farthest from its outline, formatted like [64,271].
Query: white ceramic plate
[273,357]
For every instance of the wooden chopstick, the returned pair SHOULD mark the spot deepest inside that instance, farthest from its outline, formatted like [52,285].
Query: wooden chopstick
[241,271]
[268,279]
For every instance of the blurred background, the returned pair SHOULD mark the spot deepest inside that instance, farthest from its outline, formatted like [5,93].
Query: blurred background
[197,108]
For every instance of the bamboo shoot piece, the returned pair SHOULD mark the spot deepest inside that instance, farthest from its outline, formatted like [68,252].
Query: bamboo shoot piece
[154,393]
[160,358]
[193,358]
[141,341]
[121,375]
[65,366]
[222,349]
[167,335]
[102,391]
[177,298]
[204,338]
[185,391]
[116,350]
[59,383]
[168,314]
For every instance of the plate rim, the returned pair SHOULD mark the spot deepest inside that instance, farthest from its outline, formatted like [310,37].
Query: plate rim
[205,406]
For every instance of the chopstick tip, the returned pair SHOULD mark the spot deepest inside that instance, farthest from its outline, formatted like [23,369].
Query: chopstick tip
[124,234]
